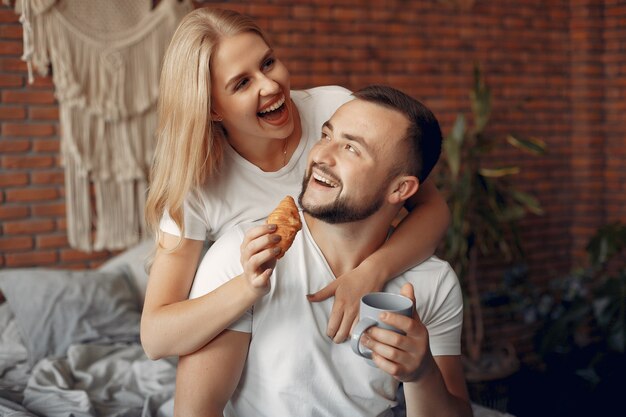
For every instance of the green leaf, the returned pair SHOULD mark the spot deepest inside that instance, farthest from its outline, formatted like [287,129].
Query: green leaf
[453,146]
[529,202]
[498,172]
[480,98]
[531,145]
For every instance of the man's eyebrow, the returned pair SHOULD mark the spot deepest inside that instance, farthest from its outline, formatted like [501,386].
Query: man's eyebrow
[235,78]
[354,138]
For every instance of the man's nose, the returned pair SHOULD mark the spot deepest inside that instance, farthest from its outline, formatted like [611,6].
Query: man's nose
[324,152]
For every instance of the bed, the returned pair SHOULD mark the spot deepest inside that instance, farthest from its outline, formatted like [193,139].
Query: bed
[69,344]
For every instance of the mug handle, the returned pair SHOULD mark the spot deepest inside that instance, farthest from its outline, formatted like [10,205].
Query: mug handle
[364,324]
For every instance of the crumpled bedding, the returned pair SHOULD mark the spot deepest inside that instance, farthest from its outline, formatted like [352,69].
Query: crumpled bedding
[115,380]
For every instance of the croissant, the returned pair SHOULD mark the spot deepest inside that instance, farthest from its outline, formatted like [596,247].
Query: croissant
[287,220]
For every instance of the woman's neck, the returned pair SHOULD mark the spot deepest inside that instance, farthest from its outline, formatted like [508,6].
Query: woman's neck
[271,155]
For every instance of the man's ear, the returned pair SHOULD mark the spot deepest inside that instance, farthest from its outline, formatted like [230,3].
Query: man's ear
[403,188]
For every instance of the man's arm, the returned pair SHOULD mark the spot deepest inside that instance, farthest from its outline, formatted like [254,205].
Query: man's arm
[441,391]
[207,378]
[432,385]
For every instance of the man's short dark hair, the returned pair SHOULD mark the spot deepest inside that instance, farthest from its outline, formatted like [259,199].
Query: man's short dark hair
[423,135]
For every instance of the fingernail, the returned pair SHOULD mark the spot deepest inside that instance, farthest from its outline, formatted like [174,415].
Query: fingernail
[383,316]
[276,250]
[275,238]
[271,226]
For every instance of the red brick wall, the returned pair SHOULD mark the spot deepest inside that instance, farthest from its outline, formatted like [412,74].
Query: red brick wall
[557,70]
[614,74]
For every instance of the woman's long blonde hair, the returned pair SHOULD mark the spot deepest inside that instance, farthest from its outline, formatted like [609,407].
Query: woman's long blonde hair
[189,144]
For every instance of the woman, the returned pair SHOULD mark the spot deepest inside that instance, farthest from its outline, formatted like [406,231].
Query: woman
[232,142]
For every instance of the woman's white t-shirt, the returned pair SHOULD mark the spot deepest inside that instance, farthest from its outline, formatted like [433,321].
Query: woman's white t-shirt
[241,191]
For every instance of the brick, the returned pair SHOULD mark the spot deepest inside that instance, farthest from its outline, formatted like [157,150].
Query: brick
[11,31]
[42,83]
[267,10]
[17,243]
[27,259]
[12,113]
[70,255]
[11,145]
[43,113]
[12,65]
[11,80]
[8,179]
[46,145]
[31,194]
[46,210]
[27,161]
[22,227]
[28,97]
[27,129]
[13,212]
[52,241]
[47,177]
[8,16]
[10,48]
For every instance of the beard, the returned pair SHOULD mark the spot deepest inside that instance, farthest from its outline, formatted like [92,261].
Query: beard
[343,209]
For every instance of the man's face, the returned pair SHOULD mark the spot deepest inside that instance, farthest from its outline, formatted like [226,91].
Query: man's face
[350,169]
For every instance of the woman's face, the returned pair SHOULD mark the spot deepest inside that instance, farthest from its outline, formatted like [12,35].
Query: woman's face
[250,90]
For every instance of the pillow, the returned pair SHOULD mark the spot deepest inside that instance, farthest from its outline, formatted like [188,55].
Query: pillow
[133,263]
[56,308]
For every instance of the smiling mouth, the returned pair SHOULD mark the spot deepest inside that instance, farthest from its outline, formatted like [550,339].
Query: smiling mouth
[274,110]
[324,180]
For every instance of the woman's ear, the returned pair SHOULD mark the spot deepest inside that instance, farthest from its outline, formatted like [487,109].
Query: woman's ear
[403,188]
[216,117]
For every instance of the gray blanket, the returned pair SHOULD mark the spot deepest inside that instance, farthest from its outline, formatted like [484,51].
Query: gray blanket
[91,380]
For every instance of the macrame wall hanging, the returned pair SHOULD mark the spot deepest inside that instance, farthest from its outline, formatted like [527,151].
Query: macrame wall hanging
[106,60]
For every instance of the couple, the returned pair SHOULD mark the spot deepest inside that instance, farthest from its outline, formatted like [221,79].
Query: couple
[276,360]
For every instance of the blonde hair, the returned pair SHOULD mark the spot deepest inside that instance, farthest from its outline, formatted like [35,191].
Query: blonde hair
[189,144]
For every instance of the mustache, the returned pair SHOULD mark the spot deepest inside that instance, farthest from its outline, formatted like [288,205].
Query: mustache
[324,170]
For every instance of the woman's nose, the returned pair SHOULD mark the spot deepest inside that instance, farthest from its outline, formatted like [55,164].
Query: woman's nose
[268,86]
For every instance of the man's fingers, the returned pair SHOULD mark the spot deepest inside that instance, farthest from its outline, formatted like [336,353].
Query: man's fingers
[408,291]
[323,294]
[390,354]
[409,325]
[388,338]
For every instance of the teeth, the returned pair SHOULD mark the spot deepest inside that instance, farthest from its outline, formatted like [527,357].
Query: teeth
[325,180]
[274,106]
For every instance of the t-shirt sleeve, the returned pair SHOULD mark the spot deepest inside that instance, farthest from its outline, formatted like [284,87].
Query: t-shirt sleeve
[444,330]
[220,264]
[196,227]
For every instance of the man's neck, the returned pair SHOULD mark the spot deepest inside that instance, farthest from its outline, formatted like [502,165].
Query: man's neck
[346,245]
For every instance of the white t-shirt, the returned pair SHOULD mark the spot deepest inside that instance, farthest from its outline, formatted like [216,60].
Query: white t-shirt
[293,368]
[241,191]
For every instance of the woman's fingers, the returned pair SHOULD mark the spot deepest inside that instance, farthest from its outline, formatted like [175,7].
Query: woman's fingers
[257,239]
[260,261]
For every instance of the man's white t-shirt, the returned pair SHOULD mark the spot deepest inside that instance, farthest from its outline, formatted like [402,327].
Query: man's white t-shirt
[241,191]
[293,368]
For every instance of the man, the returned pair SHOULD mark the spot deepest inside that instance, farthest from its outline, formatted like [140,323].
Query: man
[373,154]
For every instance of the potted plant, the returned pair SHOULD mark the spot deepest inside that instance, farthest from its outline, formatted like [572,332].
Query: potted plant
[485,208]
